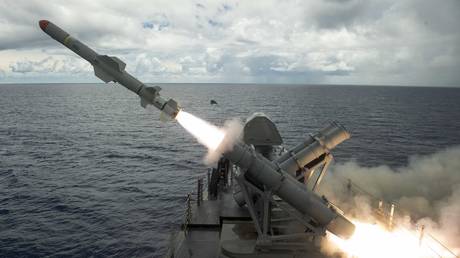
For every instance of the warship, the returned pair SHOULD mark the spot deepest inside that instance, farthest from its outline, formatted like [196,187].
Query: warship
[237,214]
[261,200]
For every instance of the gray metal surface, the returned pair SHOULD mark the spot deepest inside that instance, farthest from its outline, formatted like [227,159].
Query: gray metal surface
[110,68]
[220,228]
[288,189]
[259,130]
[313,147]
[210,212]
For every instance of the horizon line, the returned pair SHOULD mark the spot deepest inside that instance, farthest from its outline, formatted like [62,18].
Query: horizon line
[246,83]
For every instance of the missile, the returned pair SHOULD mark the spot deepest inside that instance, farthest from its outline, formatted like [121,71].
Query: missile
[112,69]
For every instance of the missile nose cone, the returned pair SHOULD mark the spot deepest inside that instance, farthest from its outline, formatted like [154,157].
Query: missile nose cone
[43,24]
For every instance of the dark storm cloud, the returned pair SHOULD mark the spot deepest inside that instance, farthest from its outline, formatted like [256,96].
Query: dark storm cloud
[349,13]
[19,20]
[440,17]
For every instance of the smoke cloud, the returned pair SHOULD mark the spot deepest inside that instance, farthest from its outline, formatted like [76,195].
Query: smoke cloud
[233,132]
[217,140]
[426,192]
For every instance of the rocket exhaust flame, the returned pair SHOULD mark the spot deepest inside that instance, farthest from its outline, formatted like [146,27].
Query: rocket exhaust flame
[207,134]
[375,241]
[218,140]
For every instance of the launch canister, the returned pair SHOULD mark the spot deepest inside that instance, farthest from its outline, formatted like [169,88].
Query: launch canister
[275,176]
[110,68]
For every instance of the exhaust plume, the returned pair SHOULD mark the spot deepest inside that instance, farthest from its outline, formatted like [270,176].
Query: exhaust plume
[233,130]
[217,140]
[426,192]
[207,134]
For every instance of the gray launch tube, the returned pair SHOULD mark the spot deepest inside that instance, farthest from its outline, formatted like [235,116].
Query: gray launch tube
[313,147]
[289,189]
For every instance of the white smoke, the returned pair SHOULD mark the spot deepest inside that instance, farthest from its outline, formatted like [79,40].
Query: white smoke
[217,140]
[427,190]
[233,132]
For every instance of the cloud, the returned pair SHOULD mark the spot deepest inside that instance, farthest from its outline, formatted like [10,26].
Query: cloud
[157,22]
[151,64]
[66,65]
[351,13]
[45,65]
[407,42]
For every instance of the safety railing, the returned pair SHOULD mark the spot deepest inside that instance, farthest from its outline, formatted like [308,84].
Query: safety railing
[188,213]
[386,211]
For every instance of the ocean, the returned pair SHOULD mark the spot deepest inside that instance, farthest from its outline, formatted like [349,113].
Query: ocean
[85,171]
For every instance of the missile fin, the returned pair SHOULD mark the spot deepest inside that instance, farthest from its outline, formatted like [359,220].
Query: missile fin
[164,117]
[144,103]
[113,62]
[102,75]
[121,64]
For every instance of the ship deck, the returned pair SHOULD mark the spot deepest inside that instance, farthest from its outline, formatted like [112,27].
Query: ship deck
[220,228]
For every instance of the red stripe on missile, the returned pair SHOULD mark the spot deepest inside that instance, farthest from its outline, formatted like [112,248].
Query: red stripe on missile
[43,24]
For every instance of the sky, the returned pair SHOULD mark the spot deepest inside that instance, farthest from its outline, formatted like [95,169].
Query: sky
[364,42]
